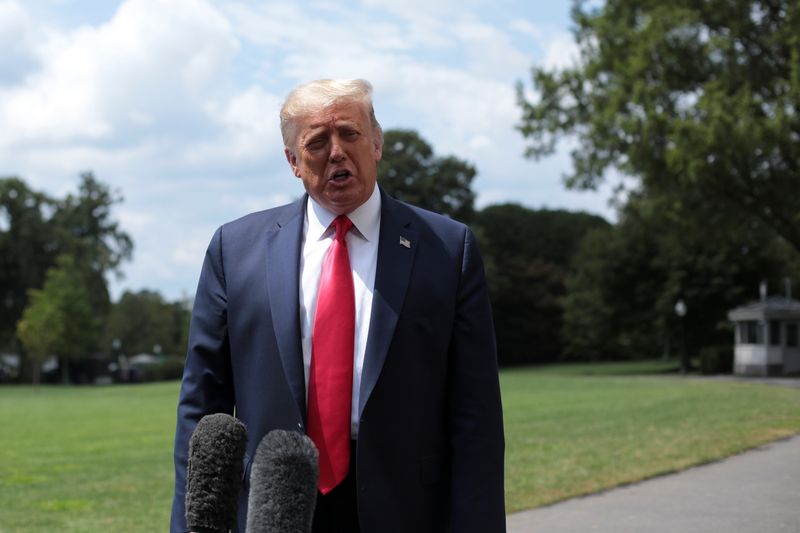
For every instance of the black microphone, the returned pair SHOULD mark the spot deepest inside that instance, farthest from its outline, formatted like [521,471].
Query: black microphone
[283,484]
[214,473]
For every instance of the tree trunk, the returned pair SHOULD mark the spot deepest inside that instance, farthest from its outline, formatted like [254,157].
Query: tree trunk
[25,371]
[64,368]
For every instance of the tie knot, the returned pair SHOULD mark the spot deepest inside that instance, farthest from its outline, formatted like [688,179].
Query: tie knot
[342,225]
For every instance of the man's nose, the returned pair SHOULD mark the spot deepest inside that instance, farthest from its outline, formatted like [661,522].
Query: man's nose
[337,152]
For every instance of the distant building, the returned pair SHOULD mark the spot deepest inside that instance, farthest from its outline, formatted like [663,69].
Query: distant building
[767,337]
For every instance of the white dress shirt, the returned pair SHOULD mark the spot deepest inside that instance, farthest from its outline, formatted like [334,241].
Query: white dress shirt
[362,248]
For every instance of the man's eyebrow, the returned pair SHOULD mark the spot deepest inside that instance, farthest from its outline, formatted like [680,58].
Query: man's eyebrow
[316,126]
[347,124]
[313,133]
[320,128]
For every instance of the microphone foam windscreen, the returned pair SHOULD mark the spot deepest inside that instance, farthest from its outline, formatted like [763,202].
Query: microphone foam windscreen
[283,484]
[214,473]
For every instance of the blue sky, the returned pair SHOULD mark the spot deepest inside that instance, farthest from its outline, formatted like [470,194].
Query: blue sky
[174,103]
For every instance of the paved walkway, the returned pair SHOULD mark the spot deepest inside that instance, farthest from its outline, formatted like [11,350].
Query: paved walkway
[792,383]
[755,492]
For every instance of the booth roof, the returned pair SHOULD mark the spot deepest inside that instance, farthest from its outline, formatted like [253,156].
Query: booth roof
[772,307]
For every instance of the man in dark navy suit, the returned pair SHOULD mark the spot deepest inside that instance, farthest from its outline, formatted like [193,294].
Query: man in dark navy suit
[360,320]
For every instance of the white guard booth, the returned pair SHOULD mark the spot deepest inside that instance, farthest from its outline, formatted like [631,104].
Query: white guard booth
[766,341]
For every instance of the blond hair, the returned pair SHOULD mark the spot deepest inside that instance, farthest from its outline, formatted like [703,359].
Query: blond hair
[319,94]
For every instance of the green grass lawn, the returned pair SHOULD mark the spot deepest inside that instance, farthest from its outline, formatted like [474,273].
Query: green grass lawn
[578,429]
[86,459]
[99,458]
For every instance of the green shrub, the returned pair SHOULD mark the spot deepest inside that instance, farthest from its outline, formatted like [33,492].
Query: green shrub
[168,369]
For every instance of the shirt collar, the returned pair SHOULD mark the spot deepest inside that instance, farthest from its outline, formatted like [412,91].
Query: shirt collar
[366,218]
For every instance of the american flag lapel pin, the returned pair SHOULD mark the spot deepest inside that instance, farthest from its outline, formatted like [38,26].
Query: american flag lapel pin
[405,242]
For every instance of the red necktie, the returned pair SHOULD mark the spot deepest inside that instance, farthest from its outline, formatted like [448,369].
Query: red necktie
[330,383]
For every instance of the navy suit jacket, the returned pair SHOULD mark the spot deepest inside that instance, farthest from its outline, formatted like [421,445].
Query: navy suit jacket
[430,445]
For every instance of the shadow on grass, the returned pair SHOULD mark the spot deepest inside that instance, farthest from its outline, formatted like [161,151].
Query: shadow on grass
[654,367]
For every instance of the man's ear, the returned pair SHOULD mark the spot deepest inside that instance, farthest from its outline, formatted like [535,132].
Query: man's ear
[292,159]
[378,149]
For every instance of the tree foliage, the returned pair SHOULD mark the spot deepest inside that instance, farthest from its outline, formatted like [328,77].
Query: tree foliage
[59,319]
[627,279]
[685,96]
[36,228]
[41,329]
[528,254]
[85,229]
[142,320]
[547,234]
[410,172]
[27,249]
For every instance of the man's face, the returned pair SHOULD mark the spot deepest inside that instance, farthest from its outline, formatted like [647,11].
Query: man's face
[336,155]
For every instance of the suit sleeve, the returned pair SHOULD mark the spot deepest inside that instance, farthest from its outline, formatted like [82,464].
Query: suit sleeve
[476,415]
[207,382]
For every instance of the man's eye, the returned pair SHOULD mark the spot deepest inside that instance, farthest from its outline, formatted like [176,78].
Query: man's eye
[352,134]
[315,144]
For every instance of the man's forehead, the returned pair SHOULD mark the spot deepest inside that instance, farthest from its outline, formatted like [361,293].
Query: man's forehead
[335,114]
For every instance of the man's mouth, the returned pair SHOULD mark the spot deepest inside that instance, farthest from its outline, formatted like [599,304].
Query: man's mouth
[340,175]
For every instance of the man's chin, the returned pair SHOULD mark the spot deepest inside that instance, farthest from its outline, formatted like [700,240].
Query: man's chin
[342,202]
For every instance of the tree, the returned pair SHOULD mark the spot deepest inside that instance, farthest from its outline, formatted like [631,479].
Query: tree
[60,315]
[551,235]
[626,279]
[528,254]
[36,228]
[27,249]
[410,172]
[610,309]
[85,230]
[142,320]
[40,329]
[686,96]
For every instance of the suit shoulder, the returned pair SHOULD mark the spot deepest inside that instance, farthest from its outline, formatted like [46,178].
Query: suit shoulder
[263,220]
[435,222]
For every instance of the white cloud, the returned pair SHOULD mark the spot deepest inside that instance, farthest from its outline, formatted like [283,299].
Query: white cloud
[480,142]
[490,52]
[248,121]
[18,43]
[136,221]
[425,23]
[189,251]
[293,27]
[562,51]
[452,106]
[527,28]
[443,10]
[268,23]
[459,107]
[175,103]
[149,67]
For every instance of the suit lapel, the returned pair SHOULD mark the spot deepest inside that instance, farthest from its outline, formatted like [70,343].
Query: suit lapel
[283,268]
[396,250]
